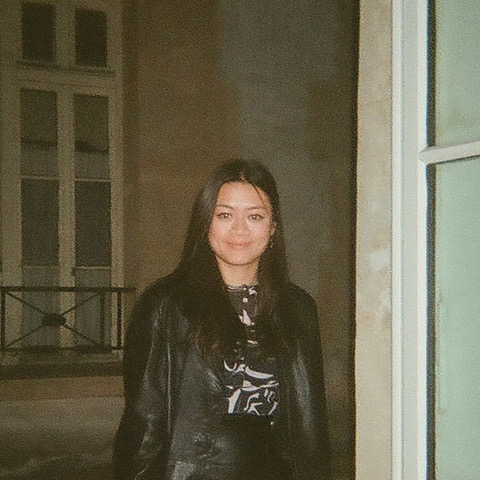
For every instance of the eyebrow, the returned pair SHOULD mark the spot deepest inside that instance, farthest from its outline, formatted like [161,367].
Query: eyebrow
[256,207]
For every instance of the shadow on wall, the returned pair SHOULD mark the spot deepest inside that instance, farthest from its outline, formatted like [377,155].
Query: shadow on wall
[181,121]
[333,145]
[67,439]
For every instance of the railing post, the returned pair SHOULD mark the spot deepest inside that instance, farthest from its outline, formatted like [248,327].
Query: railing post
[3,321]
[119,319]
[102,319]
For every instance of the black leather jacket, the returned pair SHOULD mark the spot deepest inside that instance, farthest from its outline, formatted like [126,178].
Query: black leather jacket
[170,429]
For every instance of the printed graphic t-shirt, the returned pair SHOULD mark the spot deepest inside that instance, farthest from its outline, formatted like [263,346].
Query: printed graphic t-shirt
[251,379]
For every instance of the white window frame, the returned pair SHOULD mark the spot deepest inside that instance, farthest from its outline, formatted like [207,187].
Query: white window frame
[411,157]
[66,79]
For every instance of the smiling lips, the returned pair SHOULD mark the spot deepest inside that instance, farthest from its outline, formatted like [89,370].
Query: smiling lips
[238,246]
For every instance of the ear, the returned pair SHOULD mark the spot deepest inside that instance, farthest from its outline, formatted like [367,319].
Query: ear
[273,228]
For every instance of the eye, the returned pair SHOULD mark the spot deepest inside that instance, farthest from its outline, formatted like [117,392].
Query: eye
[256,217]
[223,215]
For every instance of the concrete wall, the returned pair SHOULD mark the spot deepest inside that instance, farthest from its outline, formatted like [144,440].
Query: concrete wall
[373,318]
[180,123]
[275,81]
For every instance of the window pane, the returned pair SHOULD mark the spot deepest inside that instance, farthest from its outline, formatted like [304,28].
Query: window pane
[91,38]
[93,318]
[38,31]
[455,78]
[91,137]
[39,222]
[46,302]
[92,218]
[39,132]
[457,326]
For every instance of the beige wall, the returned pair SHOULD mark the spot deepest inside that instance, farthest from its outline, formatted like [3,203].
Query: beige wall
[373,319]
[211,80]
[179,124]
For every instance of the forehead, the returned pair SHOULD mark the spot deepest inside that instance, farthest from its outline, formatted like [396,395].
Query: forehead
[242,193]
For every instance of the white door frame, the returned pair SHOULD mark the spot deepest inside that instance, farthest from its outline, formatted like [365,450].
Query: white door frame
[410,159]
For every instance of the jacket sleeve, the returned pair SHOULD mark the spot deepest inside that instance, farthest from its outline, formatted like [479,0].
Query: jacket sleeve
[141,442]
[308,409]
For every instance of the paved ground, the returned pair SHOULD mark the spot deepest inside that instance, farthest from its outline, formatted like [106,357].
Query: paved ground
[68,439]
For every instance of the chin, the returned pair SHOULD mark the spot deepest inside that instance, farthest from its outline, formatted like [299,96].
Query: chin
[240,261]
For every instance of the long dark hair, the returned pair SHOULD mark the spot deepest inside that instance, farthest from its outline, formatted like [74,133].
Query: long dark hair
[204,295]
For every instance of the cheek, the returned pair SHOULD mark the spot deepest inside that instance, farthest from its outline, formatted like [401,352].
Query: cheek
[263,234]
[211,236]
[215,232]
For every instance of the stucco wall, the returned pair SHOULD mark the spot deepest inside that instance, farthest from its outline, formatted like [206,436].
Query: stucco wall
[180,122]
[373,342]
[207,81]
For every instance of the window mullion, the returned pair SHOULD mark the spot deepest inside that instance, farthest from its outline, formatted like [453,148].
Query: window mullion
[10,151]
[11,187]
[63,38]
[66,222]
[115,131]
[66,174]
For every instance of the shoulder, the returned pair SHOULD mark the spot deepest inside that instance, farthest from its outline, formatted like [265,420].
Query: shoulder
[153,301]
[163,289]
[300,306]
[298,296]
[301,310]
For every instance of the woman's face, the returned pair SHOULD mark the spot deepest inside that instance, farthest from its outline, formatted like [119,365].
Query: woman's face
[241,227]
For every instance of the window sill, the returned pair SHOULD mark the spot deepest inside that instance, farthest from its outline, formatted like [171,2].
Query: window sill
[55,67]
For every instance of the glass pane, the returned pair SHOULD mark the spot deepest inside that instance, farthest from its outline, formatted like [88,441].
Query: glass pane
[38,31]
[92,219]
[455,76]
[91,38]
[39,304]
[93,318]
[39,132]
[39,222]
[457,326]
[91,137]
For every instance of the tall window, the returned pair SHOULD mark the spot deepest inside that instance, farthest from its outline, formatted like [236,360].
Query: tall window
[454,121]
[438,225]
[61,162]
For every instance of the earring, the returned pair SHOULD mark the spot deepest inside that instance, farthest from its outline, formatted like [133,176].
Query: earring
[270,242]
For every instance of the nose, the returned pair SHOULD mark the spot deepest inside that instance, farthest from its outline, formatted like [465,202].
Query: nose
[239,226]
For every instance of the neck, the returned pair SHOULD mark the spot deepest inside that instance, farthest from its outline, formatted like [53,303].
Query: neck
[234,275]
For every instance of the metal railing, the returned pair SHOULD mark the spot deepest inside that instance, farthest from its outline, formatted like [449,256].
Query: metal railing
[108,324]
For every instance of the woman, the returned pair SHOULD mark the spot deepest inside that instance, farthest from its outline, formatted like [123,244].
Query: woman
[223,371]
